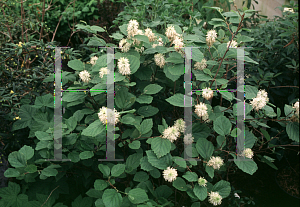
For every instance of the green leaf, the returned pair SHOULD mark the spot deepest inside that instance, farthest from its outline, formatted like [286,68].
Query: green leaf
[175,69]
[136,144]
[161,49]
[243,38]
[94,129]
[9,194]
[265,133]
[104,169]
[11,172]
[203,77]
[269,111]
[144,99]
[250,91]
[175,61]
[205,148]
[147,111]
[79,202]
[179,161]
[160,163]
[27,113]
[137,196]
[100,184]
[124,99]
[43,135]
[288,110]
[200,192]
[222,125]
[117,36]
[210,171]
[223,188]
[179,184]
[31,168]
[94,193]
[46,100]
[191,176]
[117,170]
[179,100]
[145,165]
[152,89]
[146,126]
[133,161]
[160,146]
[123,29]
[86,155]
[140,177]
[74,156]
[142,38]
[27,152]
[197,55]
[247,166]
[76,65]
[97,28]
[16,159]
[49,171]
[73,96]
[111,198]
[292,129]
[221,141]
[235,132]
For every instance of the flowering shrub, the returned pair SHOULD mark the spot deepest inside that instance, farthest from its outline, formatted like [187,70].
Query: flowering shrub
[151,135]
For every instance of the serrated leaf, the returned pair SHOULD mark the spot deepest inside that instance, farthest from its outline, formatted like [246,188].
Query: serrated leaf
[160,146]
[247,166]
[27,152]
[179,100]
[117,170]
[160,163]
[200,192]
[11,172]
[179,184]
[94,129]
[104,169]
[86,155]
[140,177]
[100,184]
[111,198]
[292,129]
[179,161]
[137,196]
[147,111]
[76,65]
[205,148]
[222,125]
[146,126]
[223,188]
[144,99]
[190,176]
[136,144]
[152,89]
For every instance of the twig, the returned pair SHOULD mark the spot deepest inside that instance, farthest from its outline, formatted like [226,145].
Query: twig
[49,195]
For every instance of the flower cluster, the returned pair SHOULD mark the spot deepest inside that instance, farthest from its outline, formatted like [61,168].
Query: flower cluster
[201,111]
[108,116]
[175,38]
[296,107]
[288,10]
[215,198]
[200,65]
[207,93]
[233,44]
[93,60]
[260,101]
[151,36]
[180,125]
[215,162]
[159,60]
[170,174]
[103,71]
[85,76]
[124,45]
[202,181]
[140,50]
[160,43]
[171,133]
[124,66]
[247,153]
[132,28]
[211,37]
[188,139]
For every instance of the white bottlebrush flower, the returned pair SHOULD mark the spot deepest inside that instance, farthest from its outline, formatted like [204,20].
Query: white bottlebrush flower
[188,139]
[159,60]
[132,28]
[207,93]
[85,76]
[215,162]
[124,45]
[200,109]
[140,50]
[93,60]
[180,125]
[112,118]
[211,37]
[171,33]
[260,100]
[178,42]
[200,65]
[170,174]
[288,10]
[151,36]
[124,66]
[215,198]
[160,43]
[171,133]
[296,107]
[103,71]
[247,153]
[202,181]
[233,44]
